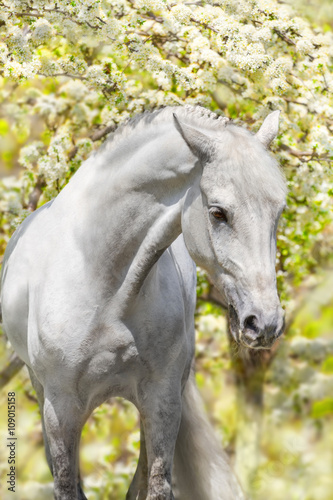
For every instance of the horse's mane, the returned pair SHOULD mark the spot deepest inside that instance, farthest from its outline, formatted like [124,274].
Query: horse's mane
[241,153]
[193,115]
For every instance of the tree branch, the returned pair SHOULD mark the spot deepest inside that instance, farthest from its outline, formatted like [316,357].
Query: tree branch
[11,369]
[36,193]
[77,77]
[99,134]
[96,136]
[205,25]
[284,37]
[306,155]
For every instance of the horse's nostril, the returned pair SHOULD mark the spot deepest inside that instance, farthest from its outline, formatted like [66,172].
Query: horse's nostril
[251,323]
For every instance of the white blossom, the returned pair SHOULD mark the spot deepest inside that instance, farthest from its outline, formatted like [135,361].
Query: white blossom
[182,13]
[42,31]
[30,154]
[153,5]
[3,52]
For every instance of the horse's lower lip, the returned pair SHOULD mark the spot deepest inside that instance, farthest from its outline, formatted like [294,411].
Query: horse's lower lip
[258,343]
[254,345]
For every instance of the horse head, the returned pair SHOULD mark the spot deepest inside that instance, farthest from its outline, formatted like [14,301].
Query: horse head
[229,223]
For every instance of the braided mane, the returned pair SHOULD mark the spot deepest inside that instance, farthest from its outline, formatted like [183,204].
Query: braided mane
[192,115]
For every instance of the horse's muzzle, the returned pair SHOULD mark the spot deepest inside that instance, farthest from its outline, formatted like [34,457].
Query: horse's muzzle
[257,331]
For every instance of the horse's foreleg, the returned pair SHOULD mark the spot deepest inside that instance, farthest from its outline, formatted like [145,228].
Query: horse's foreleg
[63,422]
[161,416]
[139,484]
[40,397]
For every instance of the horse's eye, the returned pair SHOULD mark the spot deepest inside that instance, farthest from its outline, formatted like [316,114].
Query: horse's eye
[219,214]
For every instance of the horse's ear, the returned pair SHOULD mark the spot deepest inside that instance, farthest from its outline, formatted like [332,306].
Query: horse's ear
[269,129]
[200,144]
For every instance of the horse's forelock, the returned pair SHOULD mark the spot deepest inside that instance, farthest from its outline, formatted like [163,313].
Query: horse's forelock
[249,165]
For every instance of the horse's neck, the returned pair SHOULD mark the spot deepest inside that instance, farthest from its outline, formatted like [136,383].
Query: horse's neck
[130,206]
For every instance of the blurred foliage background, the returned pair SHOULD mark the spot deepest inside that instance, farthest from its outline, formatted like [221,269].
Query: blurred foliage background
[273,413]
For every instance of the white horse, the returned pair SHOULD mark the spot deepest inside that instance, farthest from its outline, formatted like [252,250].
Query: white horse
[98,289]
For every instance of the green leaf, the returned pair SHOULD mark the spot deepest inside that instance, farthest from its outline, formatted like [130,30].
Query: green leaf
[4,127]
[327,366]
[322,408]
